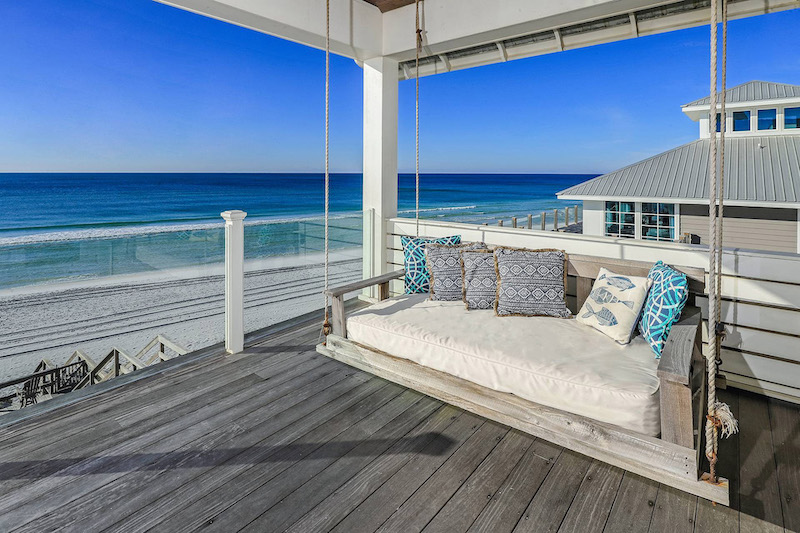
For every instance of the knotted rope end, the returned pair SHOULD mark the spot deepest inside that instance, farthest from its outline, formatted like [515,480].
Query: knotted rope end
[724,420]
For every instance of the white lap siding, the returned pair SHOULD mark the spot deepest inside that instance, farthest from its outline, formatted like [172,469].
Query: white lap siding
[754,228]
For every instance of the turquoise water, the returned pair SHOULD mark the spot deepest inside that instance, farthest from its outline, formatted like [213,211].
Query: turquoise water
[61,227]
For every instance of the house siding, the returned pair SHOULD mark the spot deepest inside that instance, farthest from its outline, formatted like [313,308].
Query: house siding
[755,228]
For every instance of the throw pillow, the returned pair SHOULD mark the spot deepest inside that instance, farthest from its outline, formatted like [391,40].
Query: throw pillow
[417,276]
[444,266]
[479,278]
[531,282]
[614,305]
[664,305]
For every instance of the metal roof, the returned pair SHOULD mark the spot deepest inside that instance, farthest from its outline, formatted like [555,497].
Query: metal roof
[753,91]
[758,171]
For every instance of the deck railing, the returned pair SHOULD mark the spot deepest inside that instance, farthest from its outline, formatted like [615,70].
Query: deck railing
[570,216]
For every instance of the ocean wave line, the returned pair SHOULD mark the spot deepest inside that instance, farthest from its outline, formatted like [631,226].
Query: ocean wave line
[135,231]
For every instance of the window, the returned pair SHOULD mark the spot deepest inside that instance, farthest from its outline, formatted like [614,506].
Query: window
[719,126]
[621,219]
[741,121]
[791,118]
[767,119]
[658,222]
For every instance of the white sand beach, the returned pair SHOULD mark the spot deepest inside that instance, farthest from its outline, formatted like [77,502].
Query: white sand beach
[186,305]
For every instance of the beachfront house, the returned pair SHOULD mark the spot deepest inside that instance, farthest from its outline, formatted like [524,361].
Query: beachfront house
[431,424]
[665,197]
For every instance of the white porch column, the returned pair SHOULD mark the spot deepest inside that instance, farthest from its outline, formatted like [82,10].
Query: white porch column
[380,159]
[234,280]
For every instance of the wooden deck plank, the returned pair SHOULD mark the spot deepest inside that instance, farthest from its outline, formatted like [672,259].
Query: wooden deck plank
[38,462]
[785,423]
[234,505]
[674,511]
[471,498]
[181,482]
[592,503]
[759,493]
[633,506]
[164,375]
[429,499]
[142,400]
[550,504]
[348,469]
[32,500]
[339,500]
[503,512]
[373,511]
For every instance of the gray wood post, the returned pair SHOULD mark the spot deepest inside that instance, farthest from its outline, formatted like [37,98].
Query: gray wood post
[555,219]
[234,280]
[513,222]
[544,220]
[530,221]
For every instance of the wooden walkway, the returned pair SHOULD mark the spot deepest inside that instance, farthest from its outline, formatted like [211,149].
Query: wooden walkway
[282,439]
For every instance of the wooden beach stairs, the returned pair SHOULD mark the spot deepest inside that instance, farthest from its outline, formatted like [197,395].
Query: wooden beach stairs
[279,438]
[79,371]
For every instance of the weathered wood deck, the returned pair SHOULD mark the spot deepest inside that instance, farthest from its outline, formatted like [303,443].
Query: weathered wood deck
[281,438]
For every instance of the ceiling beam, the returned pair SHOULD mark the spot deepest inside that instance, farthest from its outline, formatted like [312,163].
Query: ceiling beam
[356,26]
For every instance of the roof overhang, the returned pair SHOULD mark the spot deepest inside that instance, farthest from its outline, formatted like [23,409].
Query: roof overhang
[465,33]
[696,112]
[694,201]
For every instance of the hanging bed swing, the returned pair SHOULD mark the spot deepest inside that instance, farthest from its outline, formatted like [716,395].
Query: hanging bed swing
[557,379]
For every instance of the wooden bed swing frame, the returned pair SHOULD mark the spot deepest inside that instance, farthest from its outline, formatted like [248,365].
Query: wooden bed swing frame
[676,459]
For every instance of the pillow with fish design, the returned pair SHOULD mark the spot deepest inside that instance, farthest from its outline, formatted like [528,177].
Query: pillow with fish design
[614,305]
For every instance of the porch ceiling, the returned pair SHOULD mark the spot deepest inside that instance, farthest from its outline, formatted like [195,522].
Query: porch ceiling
[466,33]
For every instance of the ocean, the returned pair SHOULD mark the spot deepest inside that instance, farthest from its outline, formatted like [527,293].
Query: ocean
[59,227]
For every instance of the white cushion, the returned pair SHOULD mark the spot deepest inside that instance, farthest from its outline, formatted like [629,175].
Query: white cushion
[615,304]
[551,361]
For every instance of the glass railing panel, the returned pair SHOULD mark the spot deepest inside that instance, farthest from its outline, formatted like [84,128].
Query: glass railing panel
[284,260]
[147,292]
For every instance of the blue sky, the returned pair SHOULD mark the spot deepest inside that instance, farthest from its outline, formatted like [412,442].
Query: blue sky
[133,85]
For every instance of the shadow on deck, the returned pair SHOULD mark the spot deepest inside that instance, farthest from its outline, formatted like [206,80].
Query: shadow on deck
[281,438]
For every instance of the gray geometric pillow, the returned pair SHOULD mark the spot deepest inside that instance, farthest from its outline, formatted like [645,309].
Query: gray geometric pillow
[531,282]
[480,279]
[444,265]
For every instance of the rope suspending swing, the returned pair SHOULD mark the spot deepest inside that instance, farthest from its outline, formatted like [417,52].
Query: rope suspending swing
[326,324]
[719,418]
[416,110]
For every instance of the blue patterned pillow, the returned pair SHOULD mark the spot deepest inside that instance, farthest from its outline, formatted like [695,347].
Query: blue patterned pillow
[417,277]
[664,304]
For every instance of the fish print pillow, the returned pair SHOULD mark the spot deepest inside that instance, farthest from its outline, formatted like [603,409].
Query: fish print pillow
[614,305]
[664,305]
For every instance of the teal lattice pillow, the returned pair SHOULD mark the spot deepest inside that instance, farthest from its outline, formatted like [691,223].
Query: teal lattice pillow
[417,278]
[664,305]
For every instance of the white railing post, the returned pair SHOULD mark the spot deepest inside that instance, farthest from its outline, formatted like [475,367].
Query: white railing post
[234,280]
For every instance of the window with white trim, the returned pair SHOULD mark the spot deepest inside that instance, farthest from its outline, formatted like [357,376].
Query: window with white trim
[658,221]
[621,219]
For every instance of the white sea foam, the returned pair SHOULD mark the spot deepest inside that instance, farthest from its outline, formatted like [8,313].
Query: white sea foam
[133,231]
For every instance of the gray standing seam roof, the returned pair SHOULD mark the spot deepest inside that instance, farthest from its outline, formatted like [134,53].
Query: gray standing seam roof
[757,169]
[752,91]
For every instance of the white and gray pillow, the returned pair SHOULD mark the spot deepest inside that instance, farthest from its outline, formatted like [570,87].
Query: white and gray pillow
[444,265]
[531,282]
[480,279]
